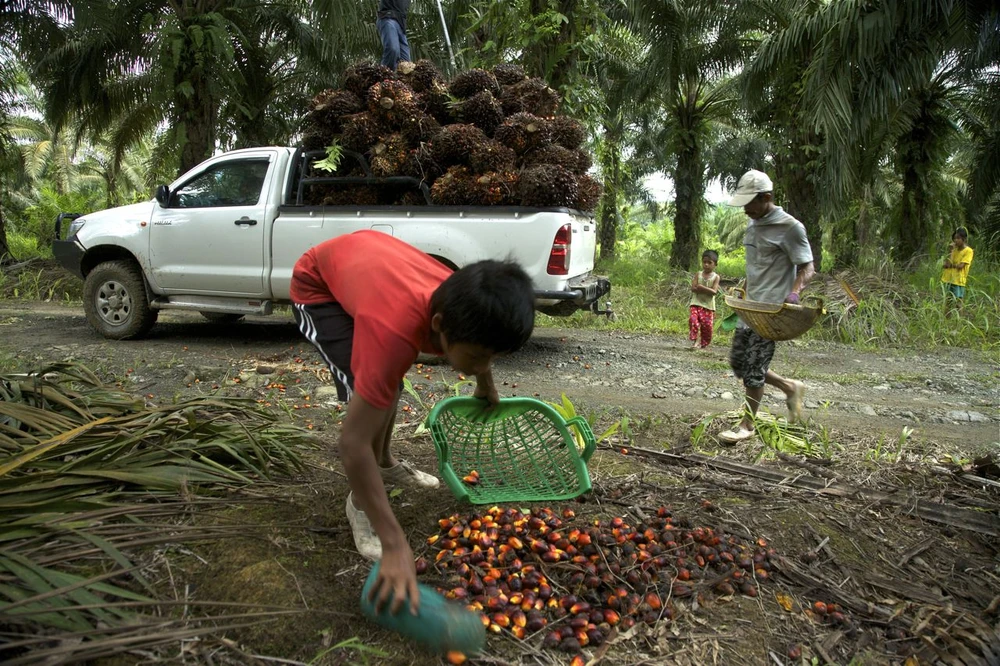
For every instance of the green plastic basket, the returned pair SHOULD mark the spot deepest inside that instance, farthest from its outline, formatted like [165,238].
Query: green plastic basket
[522,449]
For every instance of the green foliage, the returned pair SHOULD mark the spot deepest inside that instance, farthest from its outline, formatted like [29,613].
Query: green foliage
[331,162]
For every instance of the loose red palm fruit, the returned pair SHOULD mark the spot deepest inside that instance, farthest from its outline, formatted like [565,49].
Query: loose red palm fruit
[794,651]
[455,657]
[819,608]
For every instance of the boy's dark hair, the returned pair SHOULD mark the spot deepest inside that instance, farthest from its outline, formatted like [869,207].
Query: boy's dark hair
[488,303]
[711,254]
[961,233]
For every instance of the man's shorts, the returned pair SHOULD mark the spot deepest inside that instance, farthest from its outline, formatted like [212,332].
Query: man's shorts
[956,290]
[750,356]
[331,330]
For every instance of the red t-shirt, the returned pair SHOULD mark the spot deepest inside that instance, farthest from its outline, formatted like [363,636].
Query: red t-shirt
[386,285]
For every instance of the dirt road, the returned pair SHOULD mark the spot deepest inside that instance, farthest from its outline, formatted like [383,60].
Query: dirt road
[950,397]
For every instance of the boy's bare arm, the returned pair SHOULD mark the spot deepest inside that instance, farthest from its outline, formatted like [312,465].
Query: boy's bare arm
[363,426]
[485,388]
[695,287]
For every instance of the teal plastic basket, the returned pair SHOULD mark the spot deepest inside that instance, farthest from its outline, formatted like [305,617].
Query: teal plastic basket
[522,450]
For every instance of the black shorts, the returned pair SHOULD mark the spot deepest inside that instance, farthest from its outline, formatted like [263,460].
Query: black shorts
[331,330]
[750,356]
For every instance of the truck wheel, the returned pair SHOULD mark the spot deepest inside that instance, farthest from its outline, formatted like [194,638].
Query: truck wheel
[114,298]
[222,317]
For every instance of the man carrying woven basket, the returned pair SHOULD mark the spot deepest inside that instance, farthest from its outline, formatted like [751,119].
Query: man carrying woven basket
[779,265]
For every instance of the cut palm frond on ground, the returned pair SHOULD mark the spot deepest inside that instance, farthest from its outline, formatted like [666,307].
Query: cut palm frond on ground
[77,460]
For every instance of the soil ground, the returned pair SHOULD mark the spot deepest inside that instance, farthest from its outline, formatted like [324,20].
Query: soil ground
[902,540]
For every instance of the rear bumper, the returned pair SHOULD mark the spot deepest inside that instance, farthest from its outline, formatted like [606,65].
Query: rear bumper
[69,254]
[582,293]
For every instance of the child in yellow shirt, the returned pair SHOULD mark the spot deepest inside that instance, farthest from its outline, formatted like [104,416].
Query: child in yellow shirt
[956,269]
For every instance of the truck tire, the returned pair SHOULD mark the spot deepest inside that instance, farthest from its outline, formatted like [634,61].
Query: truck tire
[222,317]
[114,298]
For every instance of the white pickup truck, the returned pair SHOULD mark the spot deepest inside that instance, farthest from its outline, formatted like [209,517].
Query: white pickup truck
[222,240]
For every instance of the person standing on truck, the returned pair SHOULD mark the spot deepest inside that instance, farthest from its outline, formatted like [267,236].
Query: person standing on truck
[779,265]
[370,303]
[391,25]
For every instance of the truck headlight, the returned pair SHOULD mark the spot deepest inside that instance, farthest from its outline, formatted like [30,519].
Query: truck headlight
[75,226]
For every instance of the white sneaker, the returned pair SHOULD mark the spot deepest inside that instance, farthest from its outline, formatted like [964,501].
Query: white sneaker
[365,538]
[405,474]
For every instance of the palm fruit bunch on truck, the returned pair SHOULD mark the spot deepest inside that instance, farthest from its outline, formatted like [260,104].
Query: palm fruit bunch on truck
[485,138]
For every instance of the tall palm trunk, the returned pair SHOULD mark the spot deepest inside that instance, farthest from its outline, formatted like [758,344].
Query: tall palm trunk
[914,222]
[6,258]
[689,183]
[549,58]
[196,106]
[797,172]
[611,167]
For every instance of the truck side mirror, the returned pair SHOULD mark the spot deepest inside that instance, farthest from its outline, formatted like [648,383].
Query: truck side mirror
[163,195]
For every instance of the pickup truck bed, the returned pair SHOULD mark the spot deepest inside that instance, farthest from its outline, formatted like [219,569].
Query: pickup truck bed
[224,237]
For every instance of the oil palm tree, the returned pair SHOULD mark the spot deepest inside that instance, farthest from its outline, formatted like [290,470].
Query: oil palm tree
[26,26]
[693,47]
[872,63]
[211,70]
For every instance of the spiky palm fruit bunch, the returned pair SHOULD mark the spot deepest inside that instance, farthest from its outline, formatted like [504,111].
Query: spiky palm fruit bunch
[315,138]
[361,132]
[492,156]
[588,194]
[497,188]
[548,186]
[437,102]
[457,187]
[420,164]
[391,101]
[454,144]
[419,127]
[388,156]
[328,108]
[567,132]
[583,161]
[483,111]
[352,195]
[411,198]
[507,74]
[552,154]
[531,96]
[472,82]
[420,75]
[361,76]
[522,132]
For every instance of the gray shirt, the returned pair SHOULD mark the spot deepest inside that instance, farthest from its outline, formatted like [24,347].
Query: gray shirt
[775,245]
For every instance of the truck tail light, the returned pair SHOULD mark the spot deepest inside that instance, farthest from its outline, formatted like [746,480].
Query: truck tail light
[560,254]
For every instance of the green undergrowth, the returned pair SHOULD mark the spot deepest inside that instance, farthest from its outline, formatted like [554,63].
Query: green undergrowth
[893,308]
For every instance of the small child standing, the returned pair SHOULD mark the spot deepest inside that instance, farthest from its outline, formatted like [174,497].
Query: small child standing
[704,285]
[956,269]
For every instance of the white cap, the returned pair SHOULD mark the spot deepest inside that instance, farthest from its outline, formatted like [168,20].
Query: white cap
[751,184]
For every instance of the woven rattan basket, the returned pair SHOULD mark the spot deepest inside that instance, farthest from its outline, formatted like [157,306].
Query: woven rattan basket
[776,321]
[522,450]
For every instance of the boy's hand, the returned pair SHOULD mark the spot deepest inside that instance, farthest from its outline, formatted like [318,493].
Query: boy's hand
[486,389]
[792,298]
[487,393]
[397,576]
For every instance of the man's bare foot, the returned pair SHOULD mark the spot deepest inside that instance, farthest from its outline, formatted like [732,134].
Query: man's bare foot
[794,401]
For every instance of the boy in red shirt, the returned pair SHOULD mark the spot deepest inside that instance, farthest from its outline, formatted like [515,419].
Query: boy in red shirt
[370,303]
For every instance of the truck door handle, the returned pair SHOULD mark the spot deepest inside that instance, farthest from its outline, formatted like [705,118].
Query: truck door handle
[245,220]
